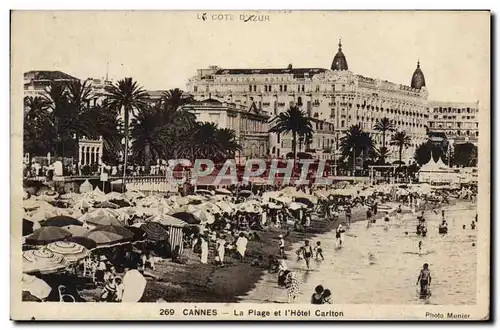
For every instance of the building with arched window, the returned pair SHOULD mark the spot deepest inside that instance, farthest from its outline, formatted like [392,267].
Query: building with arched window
[336,96]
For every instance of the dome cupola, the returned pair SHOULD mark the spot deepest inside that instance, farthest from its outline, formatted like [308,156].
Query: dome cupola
[418,79]
[339,62]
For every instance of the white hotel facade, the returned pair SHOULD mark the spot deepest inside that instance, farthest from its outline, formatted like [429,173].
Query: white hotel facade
[337,98]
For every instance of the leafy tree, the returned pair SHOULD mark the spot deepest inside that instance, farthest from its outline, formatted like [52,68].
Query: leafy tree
[423,153]
[465,154]
[295,122]
[384,125]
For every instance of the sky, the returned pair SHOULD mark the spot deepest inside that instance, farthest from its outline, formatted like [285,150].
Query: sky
[162,50]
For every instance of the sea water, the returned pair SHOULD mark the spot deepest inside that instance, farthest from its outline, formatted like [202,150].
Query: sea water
[390,275]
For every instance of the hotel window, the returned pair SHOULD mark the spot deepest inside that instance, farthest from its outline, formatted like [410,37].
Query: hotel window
[299,101]
[333,88]
[298,88]
[281,88]
[303,87]
[250,88]
[195,89]
[317,88]
[265,88]
[284,88]
[254,88]
[342,124]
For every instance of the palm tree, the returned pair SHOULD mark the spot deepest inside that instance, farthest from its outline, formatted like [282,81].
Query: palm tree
[80,121]
[175,98]
[384,125]
[382,153]
[402,141]
[228,143]
[294,121]
[38,131]
[57,99]
[356,142]
[128,96]
[149,136]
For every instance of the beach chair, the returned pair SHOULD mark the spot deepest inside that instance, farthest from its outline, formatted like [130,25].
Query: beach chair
[63,296]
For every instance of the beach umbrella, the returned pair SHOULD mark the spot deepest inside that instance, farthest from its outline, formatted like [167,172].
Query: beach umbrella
[107,205]
[167,220]
[61,221]
[139,234]
[155,231]
[245,193]
[82,204]
[105,220]
[205,216]
[284,199]
[120,230]
[275,206]
[107,238]
[46,235]
[296,206]
[225,206]
[305,201]
[187,217]
[43,261]
[134,285]
[223,191]
[204,192]
[77,230]
[71,251]
[84,241]
[120,202]
[196,198]
[35,286]
[27,227]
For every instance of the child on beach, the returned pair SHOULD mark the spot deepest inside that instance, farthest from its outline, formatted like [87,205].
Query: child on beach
[319,251]
[299,253]
[307,252]
[327,296]
[317,297]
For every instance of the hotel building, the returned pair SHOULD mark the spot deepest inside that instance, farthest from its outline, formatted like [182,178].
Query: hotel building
[335,96]
[249,124]
[457,120]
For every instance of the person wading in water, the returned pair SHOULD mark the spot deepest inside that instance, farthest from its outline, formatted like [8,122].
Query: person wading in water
[424,279]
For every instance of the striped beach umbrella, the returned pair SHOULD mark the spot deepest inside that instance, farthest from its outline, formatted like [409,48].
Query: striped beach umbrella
[155,231]
[45,235]
[167,220]
[43,261]
[69,250]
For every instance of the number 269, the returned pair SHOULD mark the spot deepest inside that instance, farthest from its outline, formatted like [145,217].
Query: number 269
[167,312]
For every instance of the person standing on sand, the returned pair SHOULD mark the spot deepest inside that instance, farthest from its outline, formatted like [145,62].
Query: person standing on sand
[241,245]
[204,249]
[282,246]
[221,249]
[339,235]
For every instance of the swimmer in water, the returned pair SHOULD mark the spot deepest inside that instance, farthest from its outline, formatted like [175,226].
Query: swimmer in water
[424,279]
[420,246]
[463,227]
[473,225]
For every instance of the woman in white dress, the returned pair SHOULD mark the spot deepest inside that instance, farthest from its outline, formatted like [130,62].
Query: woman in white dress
[221,249]
[204,250]
[241,245]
